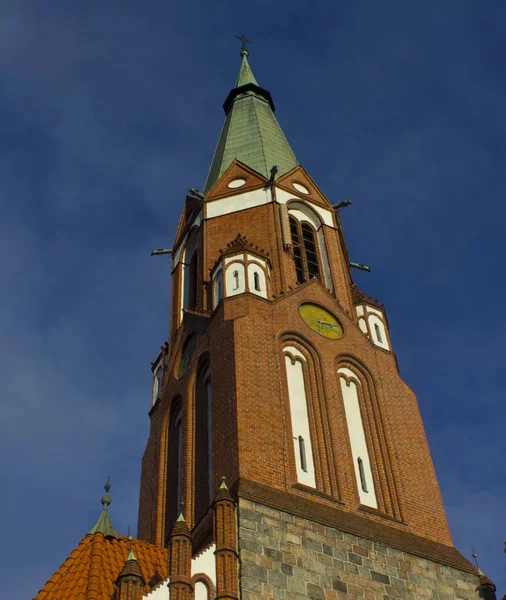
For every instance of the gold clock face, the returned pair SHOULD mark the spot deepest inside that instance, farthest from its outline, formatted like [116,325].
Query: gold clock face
[186,355]
[321,321]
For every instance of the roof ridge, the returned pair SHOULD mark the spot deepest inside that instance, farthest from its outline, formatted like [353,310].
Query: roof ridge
[93,586]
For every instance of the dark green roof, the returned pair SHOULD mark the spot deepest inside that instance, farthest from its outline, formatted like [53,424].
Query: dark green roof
[251,132]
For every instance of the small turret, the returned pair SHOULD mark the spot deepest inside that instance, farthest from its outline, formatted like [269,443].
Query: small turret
[130,581]
[180,558]
[225,534]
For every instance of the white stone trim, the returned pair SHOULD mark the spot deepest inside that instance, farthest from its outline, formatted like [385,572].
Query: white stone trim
[357,436]
[232,204]
[326,215]
[299,415]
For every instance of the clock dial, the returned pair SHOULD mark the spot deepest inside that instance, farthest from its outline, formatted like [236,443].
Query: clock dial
[186,355]
[321,321]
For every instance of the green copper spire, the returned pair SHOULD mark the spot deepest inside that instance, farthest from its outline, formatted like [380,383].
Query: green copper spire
[251,132]
[245,73]
[104,524]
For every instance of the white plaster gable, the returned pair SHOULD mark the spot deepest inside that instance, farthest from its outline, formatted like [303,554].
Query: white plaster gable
[231,204]
[229,259]
[202,563]
[159,593]
[205,562]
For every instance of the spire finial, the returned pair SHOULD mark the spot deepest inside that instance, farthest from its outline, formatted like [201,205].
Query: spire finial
[475,558]
[104,524]
[106,499]
[223,485]
[244,40]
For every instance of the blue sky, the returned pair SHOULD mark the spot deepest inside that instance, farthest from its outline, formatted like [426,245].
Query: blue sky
[110,111]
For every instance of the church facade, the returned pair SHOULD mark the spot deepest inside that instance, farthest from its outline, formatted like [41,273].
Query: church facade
[287,458]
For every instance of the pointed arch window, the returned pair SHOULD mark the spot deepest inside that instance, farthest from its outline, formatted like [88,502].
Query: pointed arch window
[256,280]
[296,378]
[203,442]
[192,282]
[174,465]
[305,253]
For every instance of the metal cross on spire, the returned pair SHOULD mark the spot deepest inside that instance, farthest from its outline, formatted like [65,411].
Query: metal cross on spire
[244,40]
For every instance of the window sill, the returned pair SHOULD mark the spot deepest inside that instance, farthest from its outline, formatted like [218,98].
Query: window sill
[379,513]
[314,492]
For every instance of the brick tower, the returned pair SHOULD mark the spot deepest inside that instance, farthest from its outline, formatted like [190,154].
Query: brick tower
[279,375]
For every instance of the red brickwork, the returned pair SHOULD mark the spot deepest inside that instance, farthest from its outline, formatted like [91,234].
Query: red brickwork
[225,535]
[251,429]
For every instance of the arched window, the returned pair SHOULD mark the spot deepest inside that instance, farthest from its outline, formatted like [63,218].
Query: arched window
[295,364]
[236,280]
[192,282]
[203,442]
[256,280]
[174,466]
[189,287]
[352,397]
[157,384]
[305,254]
[378,333]
[218,288]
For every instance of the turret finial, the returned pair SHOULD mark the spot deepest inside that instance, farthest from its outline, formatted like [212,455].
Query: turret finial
[244,40]
[106,499]
[104,524]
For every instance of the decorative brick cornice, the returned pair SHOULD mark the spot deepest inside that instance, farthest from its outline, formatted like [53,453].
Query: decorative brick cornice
[359,297]
[240,242]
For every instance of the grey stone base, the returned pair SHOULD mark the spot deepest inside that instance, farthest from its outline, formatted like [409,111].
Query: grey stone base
[289,558]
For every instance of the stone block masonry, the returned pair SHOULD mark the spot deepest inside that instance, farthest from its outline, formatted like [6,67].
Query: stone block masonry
[289,558]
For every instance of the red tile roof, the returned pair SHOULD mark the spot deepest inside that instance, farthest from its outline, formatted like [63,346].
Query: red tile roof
[92,568]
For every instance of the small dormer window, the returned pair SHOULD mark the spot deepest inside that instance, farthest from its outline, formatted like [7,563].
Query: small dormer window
[256,281]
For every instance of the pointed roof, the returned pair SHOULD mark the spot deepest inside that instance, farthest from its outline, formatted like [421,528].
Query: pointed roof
[245,73]
[93,568]
[104,523]
[251,132]
[131,567]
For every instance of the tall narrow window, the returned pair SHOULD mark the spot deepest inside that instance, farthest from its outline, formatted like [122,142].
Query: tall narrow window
[352,397]
[305,254]
[297,251]
[218,288]
[312,265]
[363,480]
[256,279]
[296,365]
[157,384]
[192,282]
[174,467]
[236,280]
[378,333]
[203,443]
[302,452]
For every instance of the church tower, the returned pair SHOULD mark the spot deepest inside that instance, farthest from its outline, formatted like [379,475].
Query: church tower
[280,376]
